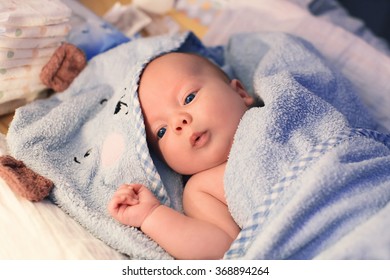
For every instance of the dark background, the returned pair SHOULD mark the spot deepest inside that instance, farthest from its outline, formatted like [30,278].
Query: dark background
[375,13]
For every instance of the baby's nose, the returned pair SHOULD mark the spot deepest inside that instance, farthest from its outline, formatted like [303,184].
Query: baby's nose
[181,121]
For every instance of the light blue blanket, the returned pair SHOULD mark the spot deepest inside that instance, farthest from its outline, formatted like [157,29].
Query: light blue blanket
[90,139]
[307,176]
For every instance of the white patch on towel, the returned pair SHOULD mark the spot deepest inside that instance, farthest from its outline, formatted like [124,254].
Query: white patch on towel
[113,148]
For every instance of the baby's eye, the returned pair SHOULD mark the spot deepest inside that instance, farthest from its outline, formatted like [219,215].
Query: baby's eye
[189,98]
[161,132]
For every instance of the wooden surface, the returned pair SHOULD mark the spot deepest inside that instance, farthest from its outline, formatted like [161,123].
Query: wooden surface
[100,7]
[4,122]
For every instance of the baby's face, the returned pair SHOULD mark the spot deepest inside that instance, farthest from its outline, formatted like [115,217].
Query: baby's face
[191,111]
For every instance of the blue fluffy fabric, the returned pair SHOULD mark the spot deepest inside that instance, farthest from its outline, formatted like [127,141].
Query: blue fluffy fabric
[307,174]
[301,180]
[90,139]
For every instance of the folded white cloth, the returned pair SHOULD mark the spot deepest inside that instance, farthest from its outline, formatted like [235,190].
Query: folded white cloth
[17,83]
[26,71]
[10,63]
[30,32]
[30,43]
[9,54]
[61,29]
[28,92]
[33,12]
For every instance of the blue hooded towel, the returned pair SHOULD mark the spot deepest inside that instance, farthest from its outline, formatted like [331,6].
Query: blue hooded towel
[307,176]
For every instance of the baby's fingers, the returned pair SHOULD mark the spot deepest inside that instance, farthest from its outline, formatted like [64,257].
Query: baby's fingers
[124,197]
[129,199]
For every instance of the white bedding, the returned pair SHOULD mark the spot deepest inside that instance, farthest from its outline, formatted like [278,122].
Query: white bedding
[41,230]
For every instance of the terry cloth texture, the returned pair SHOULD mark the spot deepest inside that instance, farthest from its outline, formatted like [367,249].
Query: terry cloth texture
[307,174]
[90,139]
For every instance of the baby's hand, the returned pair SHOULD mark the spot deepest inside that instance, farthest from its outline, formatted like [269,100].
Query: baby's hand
[131,204]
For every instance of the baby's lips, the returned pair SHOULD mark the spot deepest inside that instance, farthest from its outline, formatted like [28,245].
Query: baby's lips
[199,139]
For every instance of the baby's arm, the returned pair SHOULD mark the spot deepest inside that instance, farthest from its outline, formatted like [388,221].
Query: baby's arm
[181,236]
[186,237]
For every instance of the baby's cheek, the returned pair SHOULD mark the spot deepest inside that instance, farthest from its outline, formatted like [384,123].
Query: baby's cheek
[112,149]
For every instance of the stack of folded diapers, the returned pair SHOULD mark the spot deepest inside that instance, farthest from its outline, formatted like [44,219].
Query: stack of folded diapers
[30,32]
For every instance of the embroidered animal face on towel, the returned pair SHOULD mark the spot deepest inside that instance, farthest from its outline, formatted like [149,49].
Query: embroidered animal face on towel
[90,139]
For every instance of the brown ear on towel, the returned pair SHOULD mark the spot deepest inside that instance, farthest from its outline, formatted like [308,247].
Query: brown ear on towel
[24,181]
[63,67]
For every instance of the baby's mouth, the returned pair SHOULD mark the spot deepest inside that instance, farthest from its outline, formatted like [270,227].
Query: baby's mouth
[199,139]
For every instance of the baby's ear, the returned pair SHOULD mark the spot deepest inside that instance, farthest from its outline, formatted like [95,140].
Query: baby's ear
[240,89]
[24,181]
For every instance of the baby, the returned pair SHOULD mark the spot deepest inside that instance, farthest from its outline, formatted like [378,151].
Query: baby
[191,111]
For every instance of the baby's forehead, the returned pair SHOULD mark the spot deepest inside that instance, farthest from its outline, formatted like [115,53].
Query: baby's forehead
[168,73]
[191,63]
[181,60]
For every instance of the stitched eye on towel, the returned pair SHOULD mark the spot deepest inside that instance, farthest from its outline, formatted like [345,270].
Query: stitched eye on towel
[87,154]
[120,105]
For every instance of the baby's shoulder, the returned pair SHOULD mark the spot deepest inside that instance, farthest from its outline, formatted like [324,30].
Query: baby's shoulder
[209,181]
[194,183]
[207,177]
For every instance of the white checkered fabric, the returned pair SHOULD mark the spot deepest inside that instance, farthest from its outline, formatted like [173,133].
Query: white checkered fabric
[156,185]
